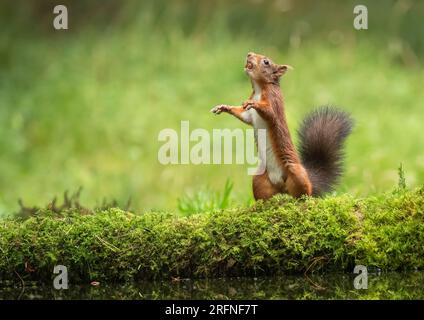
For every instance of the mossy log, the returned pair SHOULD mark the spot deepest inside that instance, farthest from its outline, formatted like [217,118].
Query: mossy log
[280,236]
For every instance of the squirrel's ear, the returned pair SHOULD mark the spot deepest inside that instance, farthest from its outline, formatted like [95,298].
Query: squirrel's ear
[282,69]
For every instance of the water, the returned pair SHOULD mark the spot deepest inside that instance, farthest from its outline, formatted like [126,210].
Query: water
[392,285]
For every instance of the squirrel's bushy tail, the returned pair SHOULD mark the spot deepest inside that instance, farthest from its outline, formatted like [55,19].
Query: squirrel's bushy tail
[321,136]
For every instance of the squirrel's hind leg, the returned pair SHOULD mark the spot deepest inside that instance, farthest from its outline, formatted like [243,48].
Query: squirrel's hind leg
[297,182]
[263,188]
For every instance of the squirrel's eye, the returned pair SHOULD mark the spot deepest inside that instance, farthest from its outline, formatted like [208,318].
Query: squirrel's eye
[266,62]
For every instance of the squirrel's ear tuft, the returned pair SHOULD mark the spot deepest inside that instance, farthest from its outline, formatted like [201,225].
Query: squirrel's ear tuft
[282,69]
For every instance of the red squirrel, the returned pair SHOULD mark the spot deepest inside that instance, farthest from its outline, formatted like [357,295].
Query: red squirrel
[317,167]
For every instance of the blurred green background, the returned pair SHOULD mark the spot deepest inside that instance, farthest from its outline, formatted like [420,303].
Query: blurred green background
[84,106]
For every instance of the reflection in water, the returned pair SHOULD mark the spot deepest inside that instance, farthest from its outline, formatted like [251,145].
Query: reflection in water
[330,286]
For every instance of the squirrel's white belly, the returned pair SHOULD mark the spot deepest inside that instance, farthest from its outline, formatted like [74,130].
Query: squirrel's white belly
[275,173]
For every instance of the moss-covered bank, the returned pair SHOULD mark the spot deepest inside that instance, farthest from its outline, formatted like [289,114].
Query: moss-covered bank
[280,236]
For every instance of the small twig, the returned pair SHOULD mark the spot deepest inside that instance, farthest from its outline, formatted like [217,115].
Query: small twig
[23,284]
[107,244]
[313,263]
[69,230]
[128,205]
[314,284]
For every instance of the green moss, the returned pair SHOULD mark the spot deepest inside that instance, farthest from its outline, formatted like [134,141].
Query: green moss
[282,235]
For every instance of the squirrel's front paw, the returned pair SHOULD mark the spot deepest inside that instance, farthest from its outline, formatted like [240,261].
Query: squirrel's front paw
[249,104]
[220,108]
